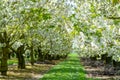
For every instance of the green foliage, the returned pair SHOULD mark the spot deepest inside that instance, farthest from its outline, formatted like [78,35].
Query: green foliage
[55,26]
[96,32]
[114,2]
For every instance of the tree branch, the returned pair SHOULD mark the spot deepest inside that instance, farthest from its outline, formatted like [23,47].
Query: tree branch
[113,17]
[13,50]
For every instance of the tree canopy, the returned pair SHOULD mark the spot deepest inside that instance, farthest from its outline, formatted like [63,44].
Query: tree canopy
[89,27]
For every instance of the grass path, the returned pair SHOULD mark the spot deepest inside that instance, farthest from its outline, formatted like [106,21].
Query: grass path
[69,69]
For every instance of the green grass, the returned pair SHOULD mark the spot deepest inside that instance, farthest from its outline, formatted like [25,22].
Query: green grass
[70,69]
[12,61]
[15,61]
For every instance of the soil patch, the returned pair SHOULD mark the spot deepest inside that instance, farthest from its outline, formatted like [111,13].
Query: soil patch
[97,69]
[30,73]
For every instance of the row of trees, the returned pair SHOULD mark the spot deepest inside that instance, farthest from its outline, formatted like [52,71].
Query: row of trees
[50,28]
[33,26]
[96,23]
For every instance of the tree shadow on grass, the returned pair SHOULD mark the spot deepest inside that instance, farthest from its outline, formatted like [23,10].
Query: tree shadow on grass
[30,73]
[13,77]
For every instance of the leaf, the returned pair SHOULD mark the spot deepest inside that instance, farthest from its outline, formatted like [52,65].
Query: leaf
[114,2]
[77,28]
[92,8]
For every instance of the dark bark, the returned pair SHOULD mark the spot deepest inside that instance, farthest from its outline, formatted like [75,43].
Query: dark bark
[49,57]
[93,58]
[10,55]
[19,54]
[40,55]
[4,65]
[5,51]
[32,56]
[21,60]
[57,57]
[116,63]
[113,17]
[103,56]
[108,60]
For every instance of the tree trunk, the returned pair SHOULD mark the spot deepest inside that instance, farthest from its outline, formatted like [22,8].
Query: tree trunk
[32,56]
[103,56]
[93,58]
[49,57]
[40,56]
[21,60]
[4,65]
[116,63]
[109,60]
[9,56]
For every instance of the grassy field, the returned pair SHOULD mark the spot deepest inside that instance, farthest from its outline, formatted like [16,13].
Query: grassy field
[12,61]
[70,69]
[30,73]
